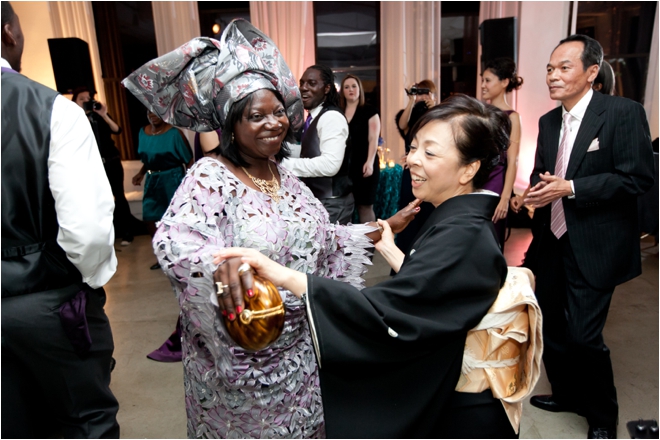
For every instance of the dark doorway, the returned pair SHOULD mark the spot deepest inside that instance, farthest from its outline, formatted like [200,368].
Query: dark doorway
[127,40]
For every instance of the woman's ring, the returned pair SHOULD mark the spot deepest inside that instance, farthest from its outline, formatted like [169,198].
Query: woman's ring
[220,288]
[244,268]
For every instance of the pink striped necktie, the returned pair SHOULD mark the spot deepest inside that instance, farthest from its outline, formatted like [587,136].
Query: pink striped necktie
[557,217]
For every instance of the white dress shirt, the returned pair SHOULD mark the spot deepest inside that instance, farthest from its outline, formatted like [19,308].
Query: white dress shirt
[332,130]
[83,199]
[577,113]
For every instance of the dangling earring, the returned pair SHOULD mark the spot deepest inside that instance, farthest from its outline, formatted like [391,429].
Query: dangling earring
[232,138]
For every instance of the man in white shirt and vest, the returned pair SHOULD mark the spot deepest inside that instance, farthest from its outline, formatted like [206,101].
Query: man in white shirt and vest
[593,160]
[324,156]
[57,253]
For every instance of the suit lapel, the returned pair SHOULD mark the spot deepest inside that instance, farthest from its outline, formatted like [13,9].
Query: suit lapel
[589,128]
[553,140]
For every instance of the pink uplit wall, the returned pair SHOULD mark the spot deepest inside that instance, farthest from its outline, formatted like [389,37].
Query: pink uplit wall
[37,29]
[542,26]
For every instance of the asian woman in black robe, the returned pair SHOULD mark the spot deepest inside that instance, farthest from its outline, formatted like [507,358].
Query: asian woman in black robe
[390,355]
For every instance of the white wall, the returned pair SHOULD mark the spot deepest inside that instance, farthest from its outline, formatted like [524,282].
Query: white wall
[542,26]
[37,29]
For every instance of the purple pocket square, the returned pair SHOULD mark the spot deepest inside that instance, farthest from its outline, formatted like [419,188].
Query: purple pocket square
[74,322]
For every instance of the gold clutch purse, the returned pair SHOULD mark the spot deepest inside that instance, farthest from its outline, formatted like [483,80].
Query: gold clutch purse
[262,320]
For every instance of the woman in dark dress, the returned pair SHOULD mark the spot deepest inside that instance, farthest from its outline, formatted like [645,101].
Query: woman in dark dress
[418,104]
[390,355]
[498,79]
[364,129]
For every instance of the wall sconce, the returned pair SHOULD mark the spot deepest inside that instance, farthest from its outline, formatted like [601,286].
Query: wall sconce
[216,29]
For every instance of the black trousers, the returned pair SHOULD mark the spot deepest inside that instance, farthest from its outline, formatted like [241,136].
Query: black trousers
[48,390]
[123,220]
[340,209]
[576,358]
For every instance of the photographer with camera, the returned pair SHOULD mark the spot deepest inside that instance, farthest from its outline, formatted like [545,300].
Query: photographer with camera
[421,97]
[104,127]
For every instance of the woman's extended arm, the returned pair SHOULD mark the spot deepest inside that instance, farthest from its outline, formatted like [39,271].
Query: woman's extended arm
[388,249]
[374,132]
[511,170]
[405,116]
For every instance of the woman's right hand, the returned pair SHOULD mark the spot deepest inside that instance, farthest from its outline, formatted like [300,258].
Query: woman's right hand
[281,276]
[400,220]
[137,179]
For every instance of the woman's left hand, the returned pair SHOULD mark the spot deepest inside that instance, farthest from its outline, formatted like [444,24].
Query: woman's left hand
[400,220]
[103,111]
[279,275]
[367,169]
[502,209]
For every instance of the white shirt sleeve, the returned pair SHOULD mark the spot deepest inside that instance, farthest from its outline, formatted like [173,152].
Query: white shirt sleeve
[332,130]
[83,198]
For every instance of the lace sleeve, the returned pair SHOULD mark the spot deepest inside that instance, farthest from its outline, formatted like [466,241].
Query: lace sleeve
[192,228]
[346,255]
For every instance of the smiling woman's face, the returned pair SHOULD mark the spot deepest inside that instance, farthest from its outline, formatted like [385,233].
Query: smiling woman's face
[263,127]
[435,165]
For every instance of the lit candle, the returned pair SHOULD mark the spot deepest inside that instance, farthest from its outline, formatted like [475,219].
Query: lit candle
[391,163]
[383,165]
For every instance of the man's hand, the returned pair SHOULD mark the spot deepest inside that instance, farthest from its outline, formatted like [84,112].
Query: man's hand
[400,220]
[549,189]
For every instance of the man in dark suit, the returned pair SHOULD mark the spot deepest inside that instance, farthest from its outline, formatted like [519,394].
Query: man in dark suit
[593,159]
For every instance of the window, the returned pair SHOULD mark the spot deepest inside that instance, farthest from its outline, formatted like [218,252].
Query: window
[459,44]
[215,16]
[624,29]
[347,41]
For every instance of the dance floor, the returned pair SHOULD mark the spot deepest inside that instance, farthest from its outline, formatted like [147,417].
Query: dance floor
[143,312]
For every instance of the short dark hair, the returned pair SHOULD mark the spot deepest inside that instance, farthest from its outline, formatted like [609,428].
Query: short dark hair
[228,147]
[328,77]
[592,52]
[78,90]
[606,79]
[481,131]
[505,68]
[8,13]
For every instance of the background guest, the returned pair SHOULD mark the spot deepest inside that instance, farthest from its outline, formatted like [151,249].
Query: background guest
[418,104]
[364,129]
[605,82]
[324,153]
[57,253]
[165,155]
[104,127]
[593,159]
[498,79]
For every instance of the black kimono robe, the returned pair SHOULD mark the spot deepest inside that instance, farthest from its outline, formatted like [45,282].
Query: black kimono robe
[391,354]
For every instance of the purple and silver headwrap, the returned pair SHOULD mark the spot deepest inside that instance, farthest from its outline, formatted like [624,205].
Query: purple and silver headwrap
[195,85]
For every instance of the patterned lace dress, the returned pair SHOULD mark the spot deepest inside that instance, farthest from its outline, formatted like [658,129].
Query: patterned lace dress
[231,392]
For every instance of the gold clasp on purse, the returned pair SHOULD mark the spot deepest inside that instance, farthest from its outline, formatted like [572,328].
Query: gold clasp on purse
[247,315]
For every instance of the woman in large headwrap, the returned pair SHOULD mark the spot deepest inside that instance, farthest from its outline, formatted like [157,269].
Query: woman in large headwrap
[240,196]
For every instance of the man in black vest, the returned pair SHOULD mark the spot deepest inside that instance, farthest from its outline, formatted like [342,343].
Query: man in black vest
[57,252]
[324,157]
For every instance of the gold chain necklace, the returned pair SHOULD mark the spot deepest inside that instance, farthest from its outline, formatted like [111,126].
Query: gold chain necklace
[267,187]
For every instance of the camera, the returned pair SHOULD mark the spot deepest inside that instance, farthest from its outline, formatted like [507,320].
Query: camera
[91,105]
[414,90]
